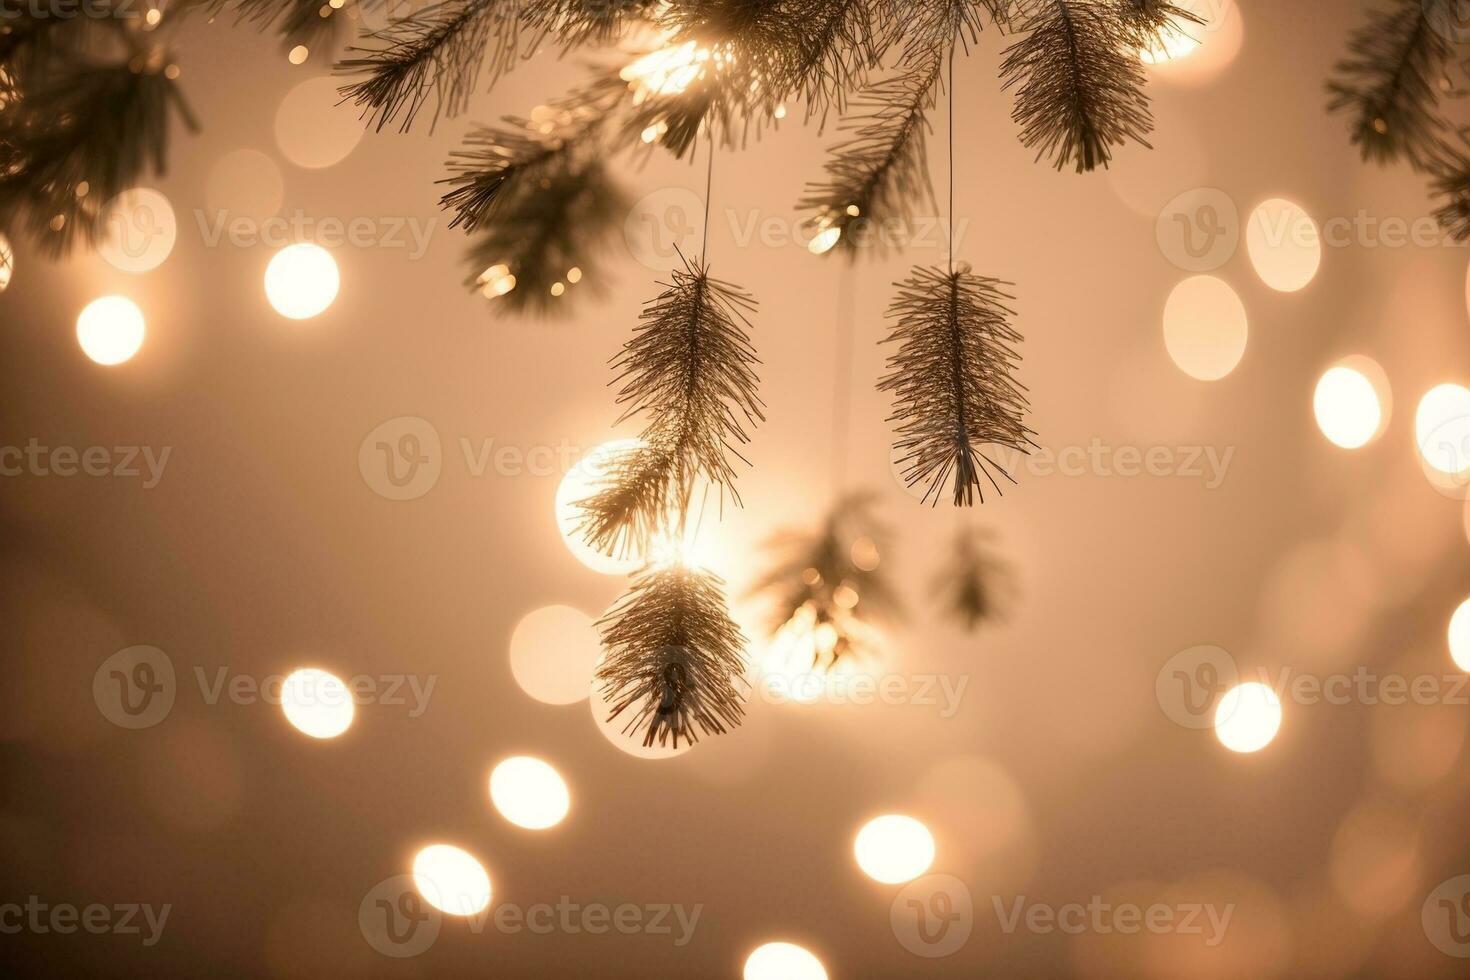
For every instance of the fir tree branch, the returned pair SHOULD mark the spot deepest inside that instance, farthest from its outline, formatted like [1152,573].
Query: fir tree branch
[1079,82]
[583,22]
[1391,82]
[1451,184]
[674,661]
[975,586]
[952,381]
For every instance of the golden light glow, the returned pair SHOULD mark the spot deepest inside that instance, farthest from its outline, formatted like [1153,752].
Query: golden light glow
[1284,245]
[799,663]
[1459,636]
[141,230]
[553,651]
[529,793]
[7,262]
[110,329]
[581,481]
[1442,429]
[451,880]
[1347,407]
[1205,327]
[1173,43]
[783,961]
[311,131]
[301,281]
[667,71]
[317,703]
[1248,717]
[894,848]
[298,54]
[824,240]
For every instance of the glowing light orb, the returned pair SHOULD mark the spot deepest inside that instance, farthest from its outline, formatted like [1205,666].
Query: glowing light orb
[553,652]
[783,961]
[1248,717]
[301,281]
[894,849]
[110,329]
[529,793]
[1459,636]
[824,240]
[1205,328]
[141,230]
[317,703]
[582,481]
[1347,407]
[1283,244]
[451,880]
[7,262]
[311,131]
[1442,429]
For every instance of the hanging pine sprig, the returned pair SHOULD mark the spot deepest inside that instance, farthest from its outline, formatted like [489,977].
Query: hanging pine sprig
[951,377]
[1451,185]
[1391,82]
[1151,22]
[1079,82]
[305,22]
[976,586]
[689,372]
[675,660]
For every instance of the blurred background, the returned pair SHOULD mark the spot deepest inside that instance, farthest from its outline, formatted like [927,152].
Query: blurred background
[1054,757]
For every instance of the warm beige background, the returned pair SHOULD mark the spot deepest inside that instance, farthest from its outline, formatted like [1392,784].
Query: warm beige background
[263,548]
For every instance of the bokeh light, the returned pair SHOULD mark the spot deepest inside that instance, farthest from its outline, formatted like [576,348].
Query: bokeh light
[311,129]
[7,262]
[317,702]
[529,793]
[1442,429]
[783,961]
[1284,245]
[140,230]
[1248,717]
[110,329]
[553,652]
[301,281]
[1347,406]
[630,742]
[580,482]
[1188,54]
[894,848]
[450,879]
[1205,327]
[1459,636]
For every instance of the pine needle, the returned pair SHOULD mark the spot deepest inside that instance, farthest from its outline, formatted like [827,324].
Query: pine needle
[976,586]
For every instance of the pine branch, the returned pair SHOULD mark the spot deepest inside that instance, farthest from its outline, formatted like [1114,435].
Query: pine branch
[674,659]
[952,381]
[1149,21]
[835,45]
[975,586]
[436,54]
[1079,83]
[1391,83]
[689,370]
[582,22]
[88,131]
[1451,183]
[881,172]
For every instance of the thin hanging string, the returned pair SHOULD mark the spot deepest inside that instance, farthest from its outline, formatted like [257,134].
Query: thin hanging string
[842,377]
[709,179]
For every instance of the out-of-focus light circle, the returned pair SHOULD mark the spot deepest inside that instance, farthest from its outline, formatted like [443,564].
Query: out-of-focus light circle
[7,262]
[1459,635]
[553,652]
[615,730]
[1186,53]
[450,879]
[529,793]
[582,481]
[1347,408]
[243,183]
[1442,429]
[1205,327]
[783,961]
[141,230]
[301,280]
[317,702]
[110,329]
[298,54]
[1248,717]
[311,129]
[1284,244]
[894,848]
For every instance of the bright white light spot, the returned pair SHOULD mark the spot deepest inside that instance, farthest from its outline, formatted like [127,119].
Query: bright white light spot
[581,482]
[1284,245]
[1248,717]
[451,880]
[301,281]
[7,262]
[529,793]
[823,240]
[1460,636]
[110,329]
[1442,429]
[894,849]
[667,71]
[317,702]
[1205,327]
[298,54]
[1347,408]
[783,961]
